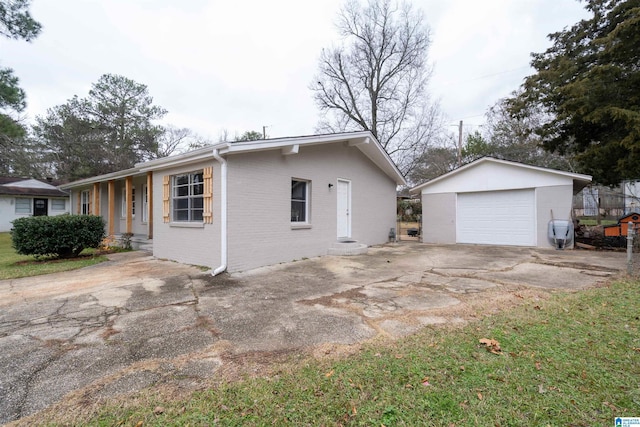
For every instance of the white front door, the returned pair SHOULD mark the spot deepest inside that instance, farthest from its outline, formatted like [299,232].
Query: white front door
[344,209]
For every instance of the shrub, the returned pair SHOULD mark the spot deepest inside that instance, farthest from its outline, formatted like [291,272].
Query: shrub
[62,236]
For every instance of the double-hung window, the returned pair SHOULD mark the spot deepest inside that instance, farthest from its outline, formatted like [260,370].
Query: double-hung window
[84,202]
[58,205]
[145,203]
[124,202]
[187,192]
[299,201]
[23,206]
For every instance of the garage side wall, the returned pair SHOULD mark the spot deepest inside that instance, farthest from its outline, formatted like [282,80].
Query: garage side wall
[439,218]
[556,198]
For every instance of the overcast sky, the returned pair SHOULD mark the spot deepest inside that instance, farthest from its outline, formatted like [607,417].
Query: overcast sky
[242,64]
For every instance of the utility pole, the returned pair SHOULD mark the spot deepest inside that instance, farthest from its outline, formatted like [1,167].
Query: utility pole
[460,144]
[264,132]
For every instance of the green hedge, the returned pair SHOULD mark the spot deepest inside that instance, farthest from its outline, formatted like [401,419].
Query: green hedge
[60,236]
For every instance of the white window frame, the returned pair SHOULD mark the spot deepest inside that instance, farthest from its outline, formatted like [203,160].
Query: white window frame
[28,203]
[53,205]
[295,219]
[194,197]
[85,200]
[123,210]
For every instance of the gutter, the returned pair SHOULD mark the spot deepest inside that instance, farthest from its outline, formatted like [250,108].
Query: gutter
[223,213]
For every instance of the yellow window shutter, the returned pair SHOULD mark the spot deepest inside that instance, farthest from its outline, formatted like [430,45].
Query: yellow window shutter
[207,195]
[78,202]
[166,198]
[90,209]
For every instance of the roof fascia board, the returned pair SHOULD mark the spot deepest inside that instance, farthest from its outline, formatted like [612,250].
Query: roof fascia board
[542,169]
[180,160]
[361,140]
[290,145]
[101,178]
[574,176]
[271,144]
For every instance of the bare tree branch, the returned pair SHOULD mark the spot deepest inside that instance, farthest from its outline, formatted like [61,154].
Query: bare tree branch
[377,78]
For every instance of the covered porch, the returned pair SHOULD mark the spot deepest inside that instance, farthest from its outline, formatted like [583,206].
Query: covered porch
[124,200]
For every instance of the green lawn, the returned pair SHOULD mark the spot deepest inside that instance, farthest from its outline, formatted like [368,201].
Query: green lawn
[13,266]
[570,360]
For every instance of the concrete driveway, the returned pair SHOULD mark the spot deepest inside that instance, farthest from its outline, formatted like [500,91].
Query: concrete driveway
[135,321]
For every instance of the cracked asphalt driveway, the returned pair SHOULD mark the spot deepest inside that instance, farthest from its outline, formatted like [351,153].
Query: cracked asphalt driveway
[136,321]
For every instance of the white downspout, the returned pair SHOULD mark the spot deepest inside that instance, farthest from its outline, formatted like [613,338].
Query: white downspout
[223,213]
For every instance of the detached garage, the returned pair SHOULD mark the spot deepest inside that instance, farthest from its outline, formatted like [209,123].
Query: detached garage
[496,202]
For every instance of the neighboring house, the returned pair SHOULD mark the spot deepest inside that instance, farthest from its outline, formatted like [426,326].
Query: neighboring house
[497,202]
[20,197]
[238,206]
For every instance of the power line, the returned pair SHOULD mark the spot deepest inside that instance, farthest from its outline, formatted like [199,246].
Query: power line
[498,73]
[486,76]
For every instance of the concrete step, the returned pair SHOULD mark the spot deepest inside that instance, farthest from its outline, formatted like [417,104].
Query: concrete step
[347,247]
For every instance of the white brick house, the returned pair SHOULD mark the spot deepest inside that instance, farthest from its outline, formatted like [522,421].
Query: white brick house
[238,206]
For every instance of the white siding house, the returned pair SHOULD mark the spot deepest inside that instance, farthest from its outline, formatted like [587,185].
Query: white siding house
[242,205]
[20,197]
[496,202]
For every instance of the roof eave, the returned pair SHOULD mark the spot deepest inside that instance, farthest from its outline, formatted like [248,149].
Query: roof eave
[100,178]
[363,140]
[580,179]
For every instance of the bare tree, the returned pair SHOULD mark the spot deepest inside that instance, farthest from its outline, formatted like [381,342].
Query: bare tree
[176,140]
[437,159]
[377,78]
[173,140]
[511,136]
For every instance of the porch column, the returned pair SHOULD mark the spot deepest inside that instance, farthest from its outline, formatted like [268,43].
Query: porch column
[149,205]
[129,203]
[112,205]
[96,199]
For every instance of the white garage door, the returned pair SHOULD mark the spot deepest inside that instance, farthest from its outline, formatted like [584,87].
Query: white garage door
[496,218]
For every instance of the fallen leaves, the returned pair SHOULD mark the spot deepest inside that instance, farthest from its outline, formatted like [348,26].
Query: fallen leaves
[492,346]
